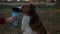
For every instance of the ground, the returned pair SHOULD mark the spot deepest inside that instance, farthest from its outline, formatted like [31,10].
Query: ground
[50,19]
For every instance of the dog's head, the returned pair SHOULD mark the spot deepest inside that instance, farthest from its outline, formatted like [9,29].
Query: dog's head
[28,9]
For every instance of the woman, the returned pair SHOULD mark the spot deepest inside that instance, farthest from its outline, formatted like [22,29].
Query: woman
[31,24]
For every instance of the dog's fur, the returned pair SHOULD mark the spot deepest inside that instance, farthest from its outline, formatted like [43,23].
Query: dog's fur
[37,25]
[35,22]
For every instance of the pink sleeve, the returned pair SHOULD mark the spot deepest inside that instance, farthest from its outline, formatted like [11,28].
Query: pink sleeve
[2,20]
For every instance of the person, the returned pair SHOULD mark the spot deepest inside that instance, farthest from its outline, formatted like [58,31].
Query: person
[4,20]
[31,23]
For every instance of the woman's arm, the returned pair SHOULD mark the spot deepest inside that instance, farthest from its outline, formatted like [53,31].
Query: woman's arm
[10,19]
[4,20]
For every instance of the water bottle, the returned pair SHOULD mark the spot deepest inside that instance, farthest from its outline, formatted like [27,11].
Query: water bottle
[15,23]
[15,13]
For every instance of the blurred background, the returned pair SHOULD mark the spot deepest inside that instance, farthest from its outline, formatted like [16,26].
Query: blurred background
[48,11]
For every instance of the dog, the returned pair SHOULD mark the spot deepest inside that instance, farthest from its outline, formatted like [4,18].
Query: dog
[35,25]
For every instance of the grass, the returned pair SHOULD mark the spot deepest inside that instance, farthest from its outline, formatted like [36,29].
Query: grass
[50,19]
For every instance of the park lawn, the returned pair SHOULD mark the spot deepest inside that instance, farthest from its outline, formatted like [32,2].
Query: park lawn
[50,19]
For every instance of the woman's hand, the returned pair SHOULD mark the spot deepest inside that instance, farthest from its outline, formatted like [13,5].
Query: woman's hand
[11,19]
